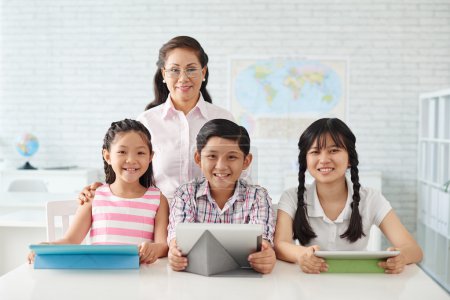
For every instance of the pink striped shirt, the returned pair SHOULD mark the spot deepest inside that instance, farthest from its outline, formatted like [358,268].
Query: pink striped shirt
[118,220]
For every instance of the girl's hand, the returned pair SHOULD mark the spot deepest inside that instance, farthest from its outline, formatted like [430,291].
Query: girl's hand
[394,265]
[147,253]
[31,256]
[87,194]
[264,260]
[176,260]
[309,263]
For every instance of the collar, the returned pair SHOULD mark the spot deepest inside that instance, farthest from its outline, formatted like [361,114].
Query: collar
[169,108]
[203,190]
[315,208]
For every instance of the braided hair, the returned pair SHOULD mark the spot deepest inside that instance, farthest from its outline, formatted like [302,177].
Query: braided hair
[343,138]
[124,126]
[159,87]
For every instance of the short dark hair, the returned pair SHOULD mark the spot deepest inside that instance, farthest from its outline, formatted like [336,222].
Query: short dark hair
[226,129]
[116,128]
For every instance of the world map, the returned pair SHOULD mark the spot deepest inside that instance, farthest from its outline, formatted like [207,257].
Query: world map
[285,87]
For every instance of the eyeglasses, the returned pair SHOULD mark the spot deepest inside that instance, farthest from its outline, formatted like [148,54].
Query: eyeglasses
[176,73]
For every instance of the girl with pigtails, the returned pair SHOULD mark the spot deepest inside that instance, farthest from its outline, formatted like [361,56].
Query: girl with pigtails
[335,212]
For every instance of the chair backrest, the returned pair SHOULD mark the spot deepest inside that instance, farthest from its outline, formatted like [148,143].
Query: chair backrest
[27,185]
[62,209]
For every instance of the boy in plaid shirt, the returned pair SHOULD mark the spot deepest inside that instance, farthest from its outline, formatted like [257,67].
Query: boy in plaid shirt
[223,152]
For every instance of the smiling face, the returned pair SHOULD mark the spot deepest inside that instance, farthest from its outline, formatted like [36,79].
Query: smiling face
[222,162]
[184,90]
[327,165]
[129,157]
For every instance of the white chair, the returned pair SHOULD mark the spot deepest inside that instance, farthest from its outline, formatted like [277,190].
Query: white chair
[28,185]
[62,209]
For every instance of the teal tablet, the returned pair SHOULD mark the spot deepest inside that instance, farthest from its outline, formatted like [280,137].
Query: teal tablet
[85,256]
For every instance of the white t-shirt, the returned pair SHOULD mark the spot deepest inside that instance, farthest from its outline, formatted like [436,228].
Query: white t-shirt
[373,207]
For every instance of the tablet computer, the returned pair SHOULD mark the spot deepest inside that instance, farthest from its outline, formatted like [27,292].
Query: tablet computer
[239,240]
[46,249]
[355,261]
[85,256]
[356,254]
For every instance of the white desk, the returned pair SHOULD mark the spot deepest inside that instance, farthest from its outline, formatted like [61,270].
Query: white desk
[157,281]
[22,222]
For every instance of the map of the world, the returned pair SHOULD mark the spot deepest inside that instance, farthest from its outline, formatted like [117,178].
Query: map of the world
[273,96]
[286,87]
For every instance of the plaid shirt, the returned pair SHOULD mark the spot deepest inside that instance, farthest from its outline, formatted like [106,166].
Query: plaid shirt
[250,204]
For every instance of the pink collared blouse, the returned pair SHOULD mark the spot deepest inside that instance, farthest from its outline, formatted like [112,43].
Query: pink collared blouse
[174,141]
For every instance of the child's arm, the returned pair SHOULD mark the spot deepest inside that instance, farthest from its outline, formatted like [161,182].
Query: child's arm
[402,240]
[79,227]
[150,252]
[286,250]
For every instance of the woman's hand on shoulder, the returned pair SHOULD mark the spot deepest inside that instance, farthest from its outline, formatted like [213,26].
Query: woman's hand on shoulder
[394,265]
[87,194]
[309,263]
[176,260]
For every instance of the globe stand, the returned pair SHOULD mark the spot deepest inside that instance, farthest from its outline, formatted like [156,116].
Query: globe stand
[27,166]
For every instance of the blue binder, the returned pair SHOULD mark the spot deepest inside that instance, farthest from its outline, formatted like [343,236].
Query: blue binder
[86,256]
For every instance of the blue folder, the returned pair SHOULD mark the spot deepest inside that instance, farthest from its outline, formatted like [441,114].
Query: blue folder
[86,256]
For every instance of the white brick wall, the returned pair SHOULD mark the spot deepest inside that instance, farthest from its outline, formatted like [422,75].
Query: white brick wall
[68,68]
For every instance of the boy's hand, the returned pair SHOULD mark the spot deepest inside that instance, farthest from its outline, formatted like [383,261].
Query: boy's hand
[264,260]
[394,265]
[176,260]
[147,253]
[87,194]
[309,263]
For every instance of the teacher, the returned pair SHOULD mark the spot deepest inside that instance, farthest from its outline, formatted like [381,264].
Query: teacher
[182,105]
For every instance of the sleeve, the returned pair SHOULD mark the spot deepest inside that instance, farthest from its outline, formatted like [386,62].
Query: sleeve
[289,202]
[379,206]
[181,210]
[261,212]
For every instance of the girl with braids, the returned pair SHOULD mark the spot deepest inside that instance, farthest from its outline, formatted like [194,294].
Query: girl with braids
[335,212]
[181,106]
[128,209]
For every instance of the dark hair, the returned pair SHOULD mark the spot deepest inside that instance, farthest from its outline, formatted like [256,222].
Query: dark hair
[343,138]
[159,87]
[118,127]
[225,129]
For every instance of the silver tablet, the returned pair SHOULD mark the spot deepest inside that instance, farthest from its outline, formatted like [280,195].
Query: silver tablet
[238,239]
[356,254]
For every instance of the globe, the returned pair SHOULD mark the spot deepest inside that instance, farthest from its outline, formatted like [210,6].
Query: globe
[27,145]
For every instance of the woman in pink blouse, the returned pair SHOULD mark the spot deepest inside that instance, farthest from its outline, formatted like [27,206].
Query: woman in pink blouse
[182,105]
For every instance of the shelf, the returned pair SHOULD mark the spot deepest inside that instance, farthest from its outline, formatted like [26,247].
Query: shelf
[433,207]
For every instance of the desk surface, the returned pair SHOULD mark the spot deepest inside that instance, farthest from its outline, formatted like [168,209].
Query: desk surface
[157,281]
